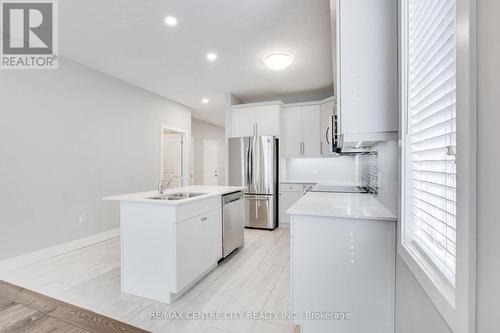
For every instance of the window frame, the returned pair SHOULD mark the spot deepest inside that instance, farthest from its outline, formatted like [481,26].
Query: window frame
[457,305]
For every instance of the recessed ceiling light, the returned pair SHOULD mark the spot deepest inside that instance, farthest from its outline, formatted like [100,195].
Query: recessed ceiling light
[211,56]
[278,60]
[170,21]
[205,100]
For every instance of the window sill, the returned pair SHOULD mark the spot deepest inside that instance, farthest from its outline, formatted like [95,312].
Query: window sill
[435,285]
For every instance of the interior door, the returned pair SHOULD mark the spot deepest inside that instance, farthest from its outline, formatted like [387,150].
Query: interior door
[172,159]
[210,162]
[191,161]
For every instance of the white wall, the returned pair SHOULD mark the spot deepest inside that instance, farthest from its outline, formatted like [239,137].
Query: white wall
[203,130]
[415,312]
[488,251]
[68,138]
[319,169]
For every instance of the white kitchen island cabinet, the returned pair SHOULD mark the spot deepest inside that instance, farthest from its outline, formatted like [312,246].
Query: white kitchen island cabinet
[348,241]
[167,246]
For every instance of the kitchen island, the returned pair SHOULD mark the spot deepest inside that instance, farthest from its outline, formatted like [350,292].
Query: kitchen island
[169,241]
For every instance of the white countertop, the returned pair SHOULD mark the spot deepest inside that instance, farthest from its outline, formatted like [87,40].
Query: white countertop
[296,182]
[145,197]
[333,183]
[344,205]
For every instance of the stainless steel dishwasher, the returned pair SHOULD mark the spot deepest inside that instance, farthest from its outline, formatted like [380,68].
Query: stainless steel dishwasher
[233,222]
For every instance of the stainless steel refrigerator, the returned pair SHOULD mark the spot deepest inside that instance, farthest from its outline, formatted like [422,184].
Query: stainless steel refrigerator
[253,164]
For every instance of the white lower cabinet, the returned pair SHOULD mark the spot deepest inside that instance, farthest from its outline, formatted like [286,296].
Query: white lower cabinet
[353,261]
[287,199]
[290,193]
[165,249]
[198,246]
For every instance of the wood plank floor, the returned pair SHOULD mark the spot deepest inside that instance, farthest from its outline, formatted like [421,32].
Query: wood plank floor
[255,278]
[23,310]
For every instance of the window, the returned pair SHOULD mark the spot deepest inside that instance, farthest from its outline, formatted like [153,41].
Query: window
[430,212]
[438,101]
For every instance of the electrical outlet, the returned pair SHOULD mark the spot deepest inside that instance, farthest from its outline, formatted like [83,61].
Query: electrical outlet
[82,219]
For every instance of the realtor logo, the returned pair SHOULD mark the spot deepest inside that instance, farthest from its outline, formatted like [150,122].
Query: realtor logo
[29,34]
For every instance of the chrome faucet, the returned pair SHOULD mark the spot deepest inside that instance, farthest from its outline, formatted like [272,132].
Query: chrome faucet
[163,185]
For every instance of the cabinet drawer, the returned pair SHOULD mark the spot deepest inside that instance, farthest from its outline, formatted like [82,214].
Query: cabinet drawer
[198,247]
[289,187]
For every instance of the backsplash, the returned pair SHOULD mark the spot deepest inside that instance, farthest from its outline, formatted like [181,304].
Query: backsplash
[329,169]
[368,171]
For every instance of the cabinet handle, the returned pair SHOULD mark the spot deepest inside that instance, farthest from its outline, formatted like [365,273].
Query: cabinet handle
[203,219]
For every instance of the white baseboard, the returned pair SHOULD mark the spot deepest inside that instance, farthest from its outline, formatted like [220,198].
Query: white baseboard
[50,252]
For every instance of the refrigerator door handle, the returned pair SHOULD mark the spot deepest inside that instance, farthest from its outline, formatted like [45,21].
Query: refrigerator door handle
[247,167]
[250,169]
[257,198]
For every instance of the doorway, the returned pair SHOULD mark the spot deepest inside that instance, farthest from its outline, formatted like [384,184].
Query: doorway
[210,162]
[173,157]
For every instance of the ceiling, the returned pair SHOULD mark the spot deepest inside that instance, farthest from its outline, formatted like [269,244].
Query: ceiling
[129,40]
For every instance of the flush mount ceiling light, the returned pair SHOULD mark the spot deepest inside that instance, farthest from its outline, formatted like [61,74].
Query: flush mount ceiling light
[278,60]
[211,56]
[170,21]
[205,100]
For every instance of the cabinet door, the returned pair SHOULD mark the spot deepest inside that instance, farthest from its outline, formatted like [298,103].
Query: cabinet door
[198,246]
[243,121]
[267,119]
[326,126]
[311,130]
[287,199]
[292,128]
[368,65]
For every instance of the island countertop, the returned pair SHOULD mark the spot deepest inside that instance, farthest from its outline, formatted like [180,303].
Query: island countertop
[146,197]
[344,205]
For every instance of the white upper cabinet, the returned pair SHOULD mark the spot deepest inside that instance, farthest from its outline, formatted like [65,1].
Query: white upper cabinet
[365,42]
[267,120]
[301,131]
[292,131]
[311,142]
[257,119]
[243,123]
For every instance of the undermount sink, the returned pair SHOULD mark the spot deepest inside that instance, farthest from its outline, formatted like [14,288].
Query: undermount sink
[177,196]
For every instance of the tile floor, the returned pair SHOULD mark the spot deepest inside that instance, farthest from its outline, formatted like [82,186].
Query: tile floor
[255,278]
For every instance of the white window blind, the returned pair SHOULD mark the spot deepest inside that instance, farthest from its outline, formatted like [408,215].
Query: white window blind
[431,139]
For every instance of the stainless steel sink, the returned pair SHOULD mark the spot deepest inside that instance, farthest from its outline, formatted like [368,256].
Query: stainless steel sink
[177,196]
